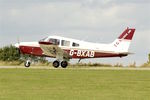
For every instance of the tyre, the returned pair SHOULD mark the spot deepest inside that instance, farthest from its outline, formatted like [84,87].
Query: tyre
[56,64]
[27,64]
[64,64]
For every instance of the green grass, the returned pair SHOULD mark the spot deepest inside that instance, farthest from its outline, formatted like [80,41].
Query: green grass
[74,84]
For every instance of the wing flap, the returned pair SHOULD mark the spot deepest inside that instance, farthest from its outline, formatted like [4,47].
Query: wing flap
[54,51]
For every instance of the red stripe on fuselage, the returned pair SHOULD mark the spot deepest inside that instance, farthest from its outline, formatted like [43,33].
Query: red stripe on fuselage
[37,51]
[96,54]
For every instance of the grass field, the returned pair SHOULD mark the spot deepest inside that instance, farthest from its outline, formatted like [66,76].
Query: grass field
[74,84]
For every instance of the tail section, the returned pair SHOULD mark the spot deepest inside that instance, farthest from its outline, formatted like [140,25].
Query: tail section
[122,44]
[127,34]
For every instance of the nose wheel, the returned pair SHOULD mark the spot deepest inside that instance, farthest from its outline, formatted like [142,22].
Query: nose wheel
[27,63]
[63,64]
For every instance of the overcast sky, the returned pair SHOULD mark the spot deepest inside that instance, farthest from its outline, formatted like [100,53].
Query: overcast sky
[89,20]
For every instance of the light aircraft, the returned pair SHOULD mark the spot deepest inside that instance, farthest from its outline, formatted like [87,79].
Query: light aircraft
[64,49]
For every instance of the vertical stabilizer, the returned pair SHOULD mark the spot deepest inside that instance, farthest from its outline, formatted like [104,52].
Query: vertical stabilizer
[123,42]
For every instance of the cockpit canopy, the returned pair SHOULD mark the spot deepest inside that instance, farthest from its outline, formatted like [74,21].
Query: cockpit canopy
[50,41]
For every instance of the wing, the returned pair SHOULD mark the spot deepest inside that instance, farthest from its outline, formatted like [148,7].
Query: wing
[54,51]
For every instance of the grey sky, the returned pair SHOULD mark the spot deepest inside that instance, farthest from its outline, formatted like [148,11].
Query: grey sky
[91,20]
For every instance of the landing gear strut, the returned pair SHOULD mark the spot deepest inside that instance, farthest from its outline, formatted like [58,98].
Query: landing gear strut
[27,63]
[57,63]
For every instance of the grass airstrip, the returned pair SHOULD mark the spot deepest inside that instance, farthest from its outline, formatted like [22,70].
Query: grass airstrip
[74,84]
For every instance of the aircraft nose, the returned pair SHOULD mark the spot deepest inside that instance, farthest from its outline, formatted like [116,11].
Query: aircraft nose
[17,45]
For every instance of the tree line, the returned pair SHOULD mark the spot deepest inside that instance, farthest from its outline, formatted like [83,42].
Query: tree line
[9,53]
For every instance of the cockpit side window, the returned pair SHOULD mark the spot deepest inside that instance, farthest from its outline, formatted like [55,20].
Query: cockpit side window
[75,44]
[54,41]
[65,43]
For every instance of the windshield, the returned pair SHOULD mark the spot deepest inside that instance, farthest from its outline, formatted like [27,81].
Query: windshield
[45,39]
[51,41]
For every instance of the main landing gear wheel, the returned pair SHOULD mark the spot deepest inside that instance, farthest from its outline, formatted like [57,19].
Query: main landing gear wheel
[56,64]
[64,64]
[27,63]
